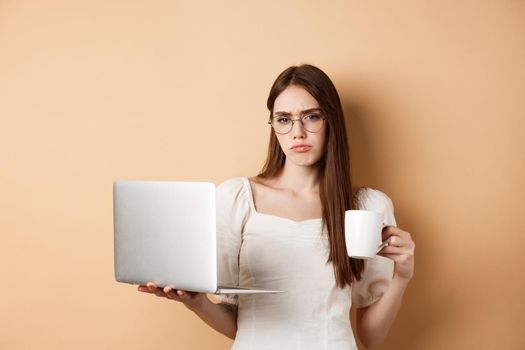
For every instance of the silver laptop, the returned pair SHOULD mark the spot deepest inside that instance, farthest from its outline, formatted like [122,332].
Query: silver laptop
[165,232]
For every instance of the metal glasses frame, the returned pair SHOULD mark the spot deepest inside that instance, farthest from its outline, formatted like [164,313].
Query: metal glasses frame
[300,120]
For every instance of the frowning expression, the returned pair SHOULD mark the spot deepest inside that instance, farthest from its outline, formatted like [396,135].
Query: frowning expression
[301,146]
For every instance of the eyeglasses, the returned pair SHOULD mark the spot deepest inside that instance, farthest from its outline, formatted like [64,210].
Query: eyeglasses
[310,122]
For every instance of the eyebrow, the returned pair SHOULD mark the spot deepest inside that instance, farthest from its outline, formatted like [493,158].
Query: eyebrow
[306,111]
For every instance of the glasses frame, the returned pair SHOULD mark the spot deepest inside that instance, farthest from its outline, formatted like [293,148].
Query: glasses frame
[300,120]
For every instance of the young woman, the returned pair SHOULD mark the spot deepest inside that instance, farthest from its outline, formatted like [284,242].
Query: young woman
[283,229]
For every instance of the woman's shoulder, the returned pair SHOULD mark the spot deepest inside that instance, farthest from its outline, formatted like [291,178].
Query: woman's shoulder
[233,190]
[233,199]
[368,198]
[246,184]
[232,184]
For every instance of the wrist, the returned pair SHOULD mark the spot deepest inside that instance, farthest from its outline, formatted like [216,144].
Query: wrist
[202,307]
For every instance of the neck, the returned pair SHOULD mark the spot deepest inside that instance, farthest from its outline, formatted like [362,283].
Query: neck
[299,178]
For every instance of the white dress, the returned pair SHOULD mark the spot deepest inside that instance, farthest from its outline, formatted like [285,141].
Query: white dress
[272,252]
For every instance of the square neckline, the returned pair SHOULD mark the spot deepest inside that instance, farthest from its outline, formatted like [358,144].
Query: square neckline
[248,186]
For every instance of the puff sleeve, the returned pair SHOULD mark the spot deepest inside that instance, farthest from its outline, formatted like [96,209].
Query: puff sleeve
[232,207]
[378,271]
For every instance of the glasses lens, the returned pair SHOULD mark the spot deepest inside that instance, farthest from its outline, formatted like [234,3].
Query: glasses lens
[282,125]
[312,122]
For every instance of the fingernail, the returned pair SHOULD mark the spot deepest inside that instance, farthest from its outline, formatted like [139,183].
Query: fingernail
[180,293]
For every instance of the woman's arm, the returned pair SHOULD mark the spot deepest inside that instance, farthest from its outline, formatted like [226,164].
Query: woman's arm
[221,317]
[374,321]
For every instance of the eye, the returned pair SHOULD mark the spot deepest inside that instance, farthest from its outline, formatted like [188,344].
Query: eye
[312,117]
[282,120]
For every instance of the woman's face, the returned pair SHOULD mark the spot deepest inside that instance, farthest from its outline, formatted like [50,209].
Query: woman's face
[301,147]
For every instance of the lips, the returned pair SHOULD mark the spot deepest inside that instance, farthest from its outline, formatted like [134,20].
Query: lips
[301,148]
[301,145]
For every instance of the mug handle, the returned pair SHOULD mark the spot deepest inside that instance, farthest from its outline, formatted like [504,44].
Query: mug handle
[382,245]
[385,242]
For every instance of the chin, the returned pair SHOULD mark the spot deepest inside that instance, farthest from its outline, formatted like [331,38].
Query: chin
[310,161]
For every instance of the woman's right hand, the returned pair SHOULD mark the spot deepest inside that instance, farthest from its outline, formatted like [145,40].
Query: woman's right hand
[221,317]
[194,301]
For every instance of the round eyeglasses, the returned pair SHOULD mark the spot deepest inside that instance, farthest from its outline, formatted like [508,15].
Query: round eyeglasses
[283,125]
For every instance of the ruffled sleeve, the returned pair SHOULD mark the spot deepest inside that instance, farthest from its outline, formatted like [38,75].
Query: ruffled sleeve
[378,271]
[232,212]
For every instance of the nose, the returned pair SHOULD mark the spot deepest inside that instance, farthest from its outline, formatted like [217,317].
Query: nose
[298,130]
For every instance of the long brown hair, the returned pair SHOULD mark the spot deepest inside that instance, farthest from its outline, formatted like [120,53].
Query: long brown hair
[335,188]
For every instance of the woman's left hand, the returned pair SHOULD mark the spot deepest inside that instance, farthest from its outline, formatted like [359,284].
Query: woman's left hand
[400,248]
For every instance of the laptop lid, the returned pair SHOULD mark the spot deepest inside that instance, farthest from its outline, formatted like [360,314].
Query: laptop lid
[165,232]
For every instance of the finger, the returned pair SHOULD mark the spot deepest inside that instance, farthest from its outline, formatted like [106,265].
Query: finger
[399,238]
[160,293]
[401,233]
[152,289]
[394,250]
[185,296]
[404,234]
[394,231]
[155,290]
[388,231]
[143,288]
[397,241]
[400,258]
[401,242]
[171,293]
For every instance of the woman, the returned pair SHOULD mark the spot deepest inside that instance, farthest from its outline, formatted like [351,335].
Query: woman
[283,229]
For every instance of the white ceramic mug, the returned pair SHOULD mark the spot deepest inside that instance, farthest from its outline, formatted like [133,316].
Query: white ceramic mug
[363,233]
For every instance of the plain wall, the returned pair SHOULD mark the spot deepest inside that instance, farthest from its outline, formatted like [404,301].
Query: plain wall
[93,91]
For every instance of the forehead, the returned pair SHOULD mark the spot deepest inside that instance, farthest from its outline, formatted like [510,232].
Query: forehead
[294,99]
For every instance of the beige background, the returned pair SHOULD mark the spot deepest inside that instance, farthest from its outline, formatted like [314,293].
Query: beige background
[93,91]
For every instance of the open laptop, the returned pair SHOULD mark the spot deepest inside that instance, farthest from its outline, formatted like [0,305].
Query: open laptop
[165,232]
